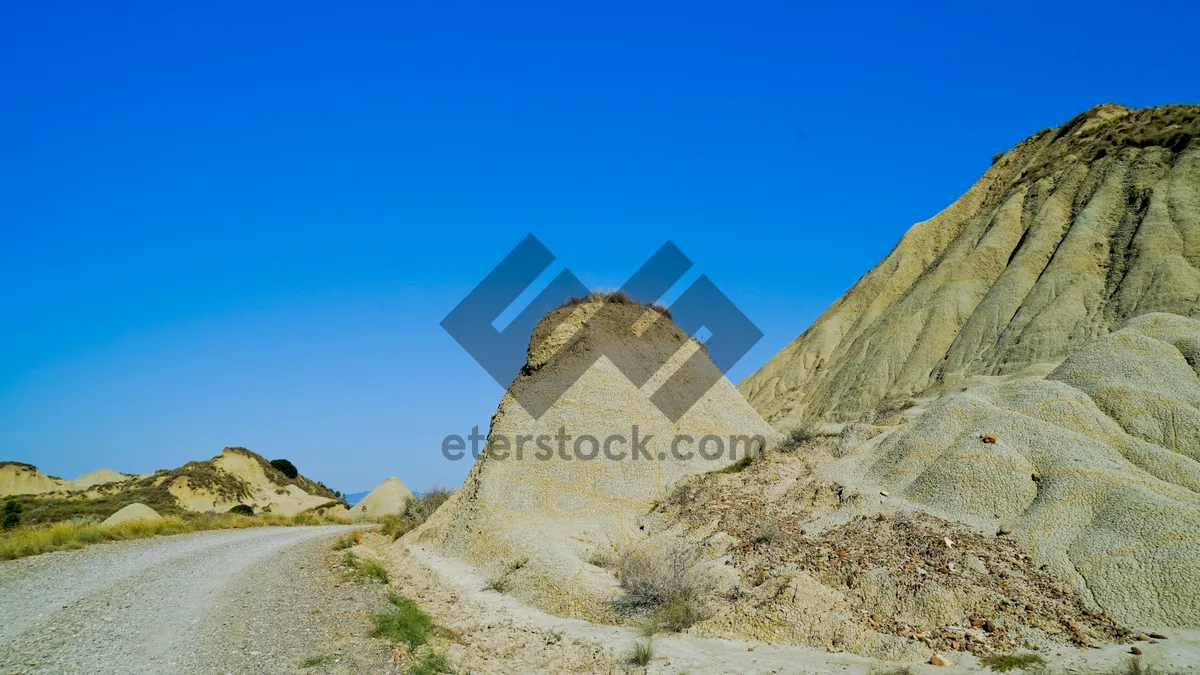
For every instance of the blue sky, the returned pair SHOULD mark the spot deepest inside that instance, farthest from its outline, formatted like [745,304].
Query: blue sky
[240,223]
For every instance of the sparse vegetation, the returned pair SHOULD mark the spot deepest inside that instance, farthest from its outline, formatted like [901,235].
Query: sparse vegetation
[500,582]
[62,536]
[407,623]
[1002,663]
[616,297]
[345,541]
[432,663]
[364,569]
[738,466]
[1134,666]
[242,509]
[314,661]
[665,579]
[417,511]
[641,654]
[286,468]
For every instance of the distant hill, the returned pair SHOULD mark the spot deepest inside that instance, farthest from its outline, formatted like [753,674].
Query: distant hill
[235,476]
[355,497]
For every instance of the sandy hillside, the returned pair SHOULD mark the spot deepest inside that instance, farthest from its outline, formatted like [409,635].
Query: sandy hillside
[537,521]
[235,476]
[1065,238]
[17,478]
[388,498]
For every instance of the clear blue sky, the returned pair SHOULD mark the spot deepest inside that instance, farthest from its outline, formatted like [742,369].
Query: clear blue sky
[240,223]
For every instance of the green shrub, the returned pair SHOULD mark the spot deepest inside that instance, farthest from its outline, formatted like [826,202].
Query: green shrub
[12,514]
[344,542]
[407,623]
[285,467]
[243,510]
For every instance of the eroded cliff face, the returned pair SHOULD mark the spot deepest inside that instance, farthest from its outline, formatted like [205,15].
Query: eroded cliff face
[1064,239]
[535,518]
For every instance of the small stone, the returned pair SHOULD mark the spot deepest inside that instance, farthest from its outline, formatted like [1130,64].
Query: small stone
[1135,651]
[977,623]
[1158,636]
[1143,637]
[988,438]
[989,626]
[883,493]
[938,660]
[949,543]
[1005,528]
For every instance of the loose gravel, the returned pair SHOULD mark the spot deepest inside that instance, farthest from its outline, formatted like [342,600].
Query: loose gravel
[237,601]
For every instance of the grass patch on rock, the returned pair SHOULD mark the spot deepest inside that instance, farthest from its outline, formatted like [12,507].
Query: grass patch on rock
[407,623]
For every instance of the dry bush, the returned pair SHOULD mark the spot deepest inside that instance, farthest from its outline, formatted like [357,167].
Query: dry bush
[666,579]
[416,511]
[616,297]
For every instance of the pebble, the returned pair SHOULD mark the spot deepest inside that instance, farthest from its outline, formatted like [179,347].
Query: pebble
[938,660]
[1135,651]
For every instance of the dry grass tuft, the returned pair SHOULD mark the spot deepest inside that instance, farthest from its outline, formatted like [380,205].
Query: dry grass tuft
[64,536]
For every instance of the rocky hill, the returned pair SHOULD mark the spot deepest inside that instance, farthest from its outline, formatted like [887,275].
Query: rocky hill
[17,478]
[533,516]
[1065,238]
[235,476]
[1002,415]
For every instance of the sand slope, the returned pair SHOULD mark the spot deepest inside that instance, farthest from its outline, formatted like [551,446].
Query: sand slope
[1070,234]
[388,498]
[537,521]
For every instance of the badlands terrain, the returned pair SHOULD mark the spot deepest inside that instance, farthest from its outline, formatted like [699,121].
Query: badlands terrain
[984,457]
[989,446]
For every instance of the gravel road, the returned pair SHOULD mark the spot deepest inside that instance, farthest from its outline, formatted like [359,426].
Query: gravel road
[236,601]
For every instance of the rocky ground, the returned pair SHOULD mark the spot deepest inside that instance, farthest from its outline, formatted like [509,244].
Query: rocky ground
[242,601]
[487,632]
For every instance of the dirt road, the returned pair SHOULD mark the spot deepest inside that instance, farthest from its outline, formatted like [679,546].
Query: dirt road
[225,601]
